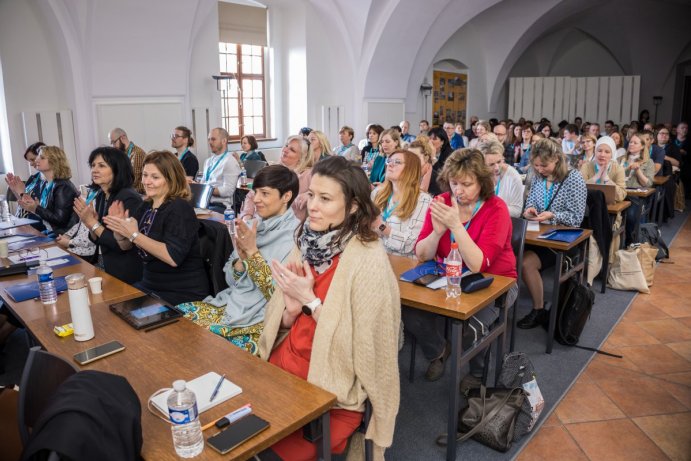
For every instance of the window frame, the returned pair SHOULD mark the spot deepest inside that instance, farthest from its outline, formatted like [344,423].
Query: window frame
[239,76]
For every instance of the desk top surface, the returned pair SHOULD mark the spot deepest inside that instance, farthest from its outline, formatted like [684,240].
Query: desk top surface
[532,239]
[618,207]
[641,192]
[435,300]
[153,360]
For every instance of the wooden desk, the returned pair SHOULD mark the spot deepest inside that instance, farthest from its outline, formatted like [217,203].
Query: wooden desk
[182,350]
[560,248]
[642,192]
[660,180]
[470,303]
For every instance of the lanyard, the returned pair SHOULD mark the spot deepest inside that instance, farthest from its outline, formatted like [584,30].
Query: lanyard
[548,195]
[211,168]
[496,188]
[129,150]
[91,195]
[372,153]
[183,154]
[386,214]
[467,224]
[45,193]
[30,186]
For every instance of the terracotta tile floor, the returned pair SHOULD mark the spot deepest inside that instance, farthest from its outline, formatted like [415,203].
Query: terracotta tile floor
[638,407]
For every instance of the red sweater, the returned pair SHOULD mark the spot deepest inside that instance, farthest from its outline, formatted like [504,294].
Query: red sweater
[490,229]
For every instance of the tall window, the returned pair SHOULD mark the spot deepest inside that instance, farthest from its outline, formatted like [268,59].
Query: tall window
[242,97]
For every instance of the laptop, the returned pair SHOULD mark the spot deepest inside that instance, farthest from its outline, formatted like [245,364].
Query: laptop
[609,190]
[201,195]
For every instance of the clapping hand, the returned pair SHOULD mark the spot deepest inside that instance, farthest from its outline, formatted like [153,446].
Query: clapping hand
[119,221]
[443,216]
[296,282]
[246,240]
[15,184]
[28,203]
[87,214]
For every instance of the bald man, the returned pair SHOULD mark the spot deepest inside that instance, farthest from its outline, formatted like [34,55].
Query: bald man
[118,139]
[221,170]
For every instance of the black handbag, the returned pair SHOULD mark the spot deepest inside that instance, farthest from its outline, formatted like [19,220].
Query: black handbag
[489,417]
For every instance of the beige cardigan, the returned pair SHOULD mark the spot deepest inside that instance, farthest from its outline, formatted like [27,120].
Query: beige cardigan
[616,175]
[355,349]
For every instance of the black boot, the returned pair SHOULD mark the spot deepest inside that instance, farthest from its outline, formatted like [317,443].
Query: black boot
[535,318]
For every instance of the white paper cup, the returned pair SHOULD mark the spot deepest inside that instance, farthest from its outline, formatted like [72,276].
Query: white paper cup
[4,250]
[95,285]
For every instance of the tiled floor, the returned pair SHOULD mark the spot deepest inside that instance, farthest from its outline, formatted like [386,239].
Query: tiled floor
[638,407]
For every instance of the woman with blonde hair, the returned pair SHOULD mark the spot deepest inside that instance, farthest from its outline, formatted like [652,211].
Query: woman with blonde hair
[557,196]
[425,152]
[320,148]
[165,231]
[52,198]
[481,128]
[402,203]
[639,170]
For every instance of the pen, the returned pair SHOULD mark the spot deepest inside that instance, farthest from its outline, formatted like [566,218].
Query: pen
[235,415]
[217,388]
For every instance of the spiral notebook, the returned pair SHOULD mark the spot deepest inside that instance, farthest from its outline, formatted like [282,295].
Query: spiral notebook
[202,387]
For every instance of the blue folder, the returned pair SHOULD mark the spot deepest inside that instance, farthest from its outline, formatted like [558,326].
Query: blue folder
[428,267]
[562,235]
[25,291]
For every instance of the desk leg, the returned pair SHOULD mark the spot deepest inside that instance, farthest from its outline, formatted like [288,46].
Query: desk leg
[622,233]
[501,339]
[456,350]
[326,436]
[555,301]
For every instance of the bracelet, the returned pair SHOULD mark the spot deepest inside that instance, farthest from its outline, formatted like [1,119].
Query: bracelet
[95,226]
[133,236]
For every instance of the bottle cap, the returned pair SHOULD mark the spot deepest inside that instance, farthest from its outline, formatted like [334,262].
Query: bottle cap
[179,385]
[454,245]
[75,281]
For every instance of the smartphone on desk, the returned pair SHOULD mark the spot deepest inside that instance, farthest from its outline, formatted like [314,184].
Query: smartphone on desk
[98,352]
[236,433]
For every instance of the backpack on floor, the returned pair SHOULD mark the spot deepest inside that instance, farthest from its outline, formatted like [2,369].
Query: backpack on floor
[576,303]
[650,233]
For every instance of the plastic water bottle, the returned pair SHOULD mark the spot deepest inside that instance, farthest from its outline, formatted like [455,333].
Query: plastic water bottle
[454,266]
[229,219]
[4,209]
[182,410]
[46,284]
[243,177]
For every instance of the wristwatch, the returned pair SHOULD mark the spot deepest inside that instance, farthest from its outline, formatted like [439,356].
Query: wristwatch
[95,226]
[134,236]
[382,226]
[310,307]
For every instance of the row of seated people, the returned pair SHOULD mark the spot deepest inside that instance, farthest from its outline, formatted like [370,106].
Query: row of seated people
[280,285]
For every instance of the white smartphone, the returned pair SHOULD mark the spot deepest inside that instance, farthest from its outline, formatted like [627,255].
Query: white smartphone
[98,352]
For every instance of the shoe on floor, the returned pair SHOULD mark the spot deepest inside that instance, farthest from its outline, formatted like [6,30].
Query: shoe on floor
[535,318]
[435,370]
[469,382]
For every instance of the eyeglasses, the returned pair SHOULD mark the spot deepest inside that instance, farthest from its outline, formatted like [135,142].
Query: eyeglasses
[394,162]
[175,136]
[30,254]
[114,141]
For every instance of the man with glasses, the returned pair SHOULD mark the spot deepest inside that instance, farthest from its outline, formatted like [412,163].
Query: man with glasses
[500,132]
[221,170]
[181,140]
[118,139]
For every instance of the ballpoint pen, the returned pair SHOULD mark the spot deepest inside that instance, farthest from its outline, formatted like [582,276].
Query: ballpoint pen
[217,388]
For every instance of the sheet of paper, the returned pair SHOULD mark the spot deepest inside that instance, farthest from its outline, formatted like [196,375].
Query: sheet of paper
[49,253]
[17,238]
[533,226]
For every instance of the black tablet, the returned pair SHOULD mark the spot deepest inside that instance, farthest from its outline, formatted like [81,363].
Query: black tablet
[145,312]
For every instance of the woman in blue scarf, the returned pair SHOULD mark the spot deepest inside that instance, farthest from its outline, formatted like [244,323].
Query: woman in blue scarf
[237,313]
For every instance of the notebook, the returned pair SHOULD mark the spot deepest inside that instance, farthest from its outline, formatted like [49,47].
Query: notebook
[561,235]
[24,291]
[202,387]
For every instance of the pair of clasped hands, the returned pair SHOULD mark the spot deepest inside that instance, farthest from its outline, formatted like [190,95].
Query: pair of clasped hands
[118,219]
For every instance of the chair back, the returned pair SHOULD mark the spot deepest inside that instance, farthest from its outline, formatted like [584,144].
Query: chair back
[201,194]
[215,246]
[519,229]
[43,374]
[253,166]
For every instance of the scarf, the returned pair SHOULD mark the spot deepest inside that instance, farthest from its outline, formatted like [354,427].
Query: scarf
[319,248]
